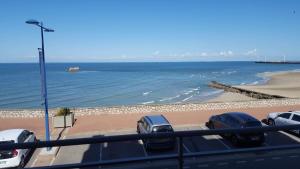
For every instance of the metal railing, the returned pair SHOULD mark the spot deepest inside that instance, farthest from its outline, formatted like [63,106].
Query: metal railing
[178,134]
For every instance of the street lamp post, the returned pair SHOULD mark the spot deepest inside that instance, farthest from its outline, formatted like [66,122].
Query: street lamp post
[43,75]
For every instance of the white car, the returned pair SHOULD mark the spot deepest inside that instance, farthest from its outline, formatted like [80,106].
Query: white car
[284,118]
[16,157]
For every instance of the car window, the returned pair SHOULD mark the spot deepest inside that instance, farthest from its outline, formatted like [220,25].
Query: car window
[296,118]
[231,121]
[145,124]
[21,138]
[222,118]
[142,121]
[26,134]
[147,127]
[285,115]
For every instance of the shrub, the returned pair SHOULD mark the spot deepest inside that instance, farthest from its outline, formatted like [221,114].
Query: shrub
[63,111]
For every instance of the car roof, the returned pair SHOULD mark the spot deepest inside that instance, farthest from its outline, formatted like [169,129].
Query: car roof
[241,116]
[295,112]
[10,134]
[292,112]
[157,120]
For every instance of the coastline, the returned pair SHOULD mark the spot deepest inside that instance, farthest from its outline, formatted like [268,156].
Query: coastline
[96,120]
[118,118]
[282,82]
[146,109]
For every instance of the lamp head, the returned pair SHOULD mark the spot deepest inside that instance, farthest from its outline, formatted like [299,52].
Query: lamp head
[48,30]
[33,22]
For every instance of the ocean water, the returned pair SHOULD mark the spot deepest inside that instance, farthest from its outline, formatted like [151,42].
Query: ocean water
[114,84]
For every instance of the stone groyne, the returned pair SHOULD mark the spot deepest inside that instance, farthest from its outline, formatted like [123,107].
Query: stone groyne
[250,93]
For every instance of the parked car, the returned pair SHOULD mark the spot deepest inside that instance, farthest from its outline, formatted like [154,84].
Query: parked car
[284,118]
[237,120]
[156,124]
[16,157]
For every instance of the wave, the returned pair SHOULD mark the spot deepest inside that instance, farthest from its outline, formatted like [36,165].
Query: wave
[231,72]
[225,72]
[212,93]
[169,98]
[149,102]
[188,98]
[255,83]
[87,71]
[146,93]
[191,91]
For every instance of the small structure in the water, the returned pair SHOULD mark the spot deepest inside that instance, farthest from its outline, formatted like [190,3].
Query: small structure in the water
[73,69]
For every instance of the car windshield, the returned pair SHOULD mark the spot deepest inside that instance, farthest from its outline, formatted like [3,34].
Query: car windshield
[7,142]
[5,153]
[165,128]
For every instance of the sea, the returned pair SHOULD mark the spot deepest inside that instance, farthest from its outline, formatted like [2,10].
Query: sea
[117,84]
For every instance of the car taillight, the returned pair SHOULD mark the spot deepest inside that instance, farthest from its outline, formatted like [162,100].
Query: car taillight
[14,153]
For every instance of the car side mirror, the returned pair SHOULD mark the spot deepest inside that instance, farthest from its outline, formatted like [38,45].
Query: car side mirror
[139,121]
[31,133]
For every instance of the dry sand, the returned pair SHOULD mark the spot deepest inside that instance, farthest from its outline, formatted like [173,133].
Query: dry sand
[285,84]
[230,97]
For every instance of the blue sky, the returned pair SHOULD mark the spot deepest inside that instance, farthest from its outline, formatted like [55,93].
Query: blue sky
[151,30]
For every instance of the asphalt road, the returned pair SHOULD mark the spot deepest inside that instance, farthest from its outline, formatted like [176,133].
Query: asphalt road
[129,149]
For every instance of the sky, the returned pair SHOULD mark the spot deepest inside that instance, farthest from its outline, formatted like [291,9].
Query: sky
[151,30]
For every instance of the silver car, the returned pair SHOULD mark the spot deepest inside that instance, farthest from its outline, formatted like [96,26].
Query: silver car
[284,118]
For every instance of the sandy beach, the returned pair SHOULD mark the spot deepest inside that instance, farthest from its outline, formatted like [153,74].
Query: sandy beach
[285,84]
[110,119]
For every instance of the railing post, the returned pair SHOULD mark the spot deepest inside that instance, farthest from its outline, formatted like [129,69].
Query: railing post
[180,153]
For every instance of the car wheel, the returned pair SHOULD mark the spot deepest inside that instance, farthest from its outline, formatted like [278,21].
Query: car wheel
[271,122]
[234,140]
[22,162]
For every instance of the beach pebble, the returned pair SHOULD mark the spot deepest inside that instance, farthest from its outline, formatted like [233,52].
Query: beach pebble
[39,113]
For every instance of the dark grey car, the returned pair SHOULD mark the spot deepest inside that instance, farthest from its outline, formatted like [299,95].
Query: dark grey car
[237,120]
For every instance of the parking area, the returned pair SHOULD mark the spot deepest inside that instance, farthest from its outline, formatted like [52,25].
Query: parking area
[129,149]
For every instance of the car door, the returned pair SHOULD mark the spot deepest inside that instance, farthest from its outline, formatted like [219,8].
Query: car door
[295,119]
[283,119]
